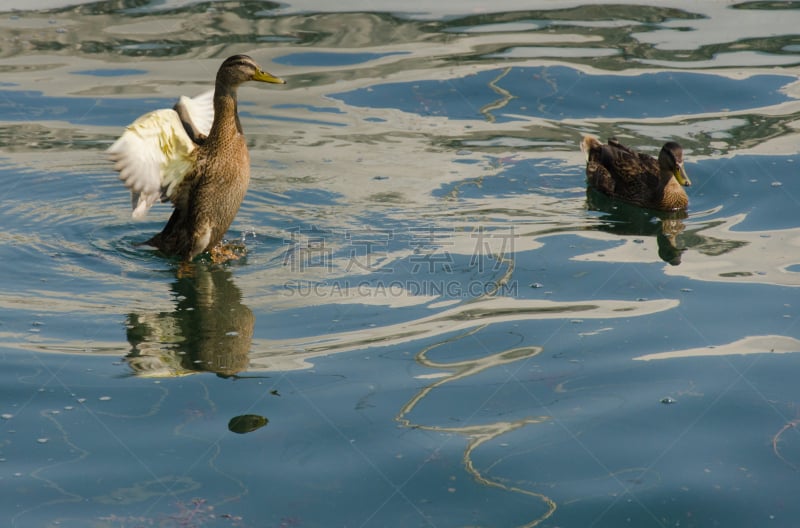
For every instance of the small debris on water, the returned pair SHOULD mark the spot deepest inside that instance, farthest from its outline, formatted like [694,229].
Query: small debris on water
[246,423]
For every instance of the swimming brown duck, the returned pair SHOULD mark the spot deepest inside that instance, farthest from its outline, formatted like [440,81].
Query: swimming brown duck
[195,156]
[622,173]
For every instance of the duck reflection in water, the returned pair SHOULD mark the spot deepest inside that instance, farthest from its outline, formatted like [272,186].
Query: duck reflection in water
[210,329]
[626,219]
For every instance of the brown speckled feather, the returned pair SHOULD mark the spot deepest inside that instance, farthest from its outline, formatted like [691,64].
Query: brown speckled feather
[209,197]
[620,172]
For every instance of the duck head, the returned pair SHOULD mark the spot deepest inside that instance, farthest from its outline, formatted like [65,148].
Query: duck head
[242,68]
[670,160]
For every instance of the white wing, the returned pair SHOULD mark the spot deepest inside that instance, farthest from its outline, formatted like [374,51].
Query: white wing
[199,110]
[155,153]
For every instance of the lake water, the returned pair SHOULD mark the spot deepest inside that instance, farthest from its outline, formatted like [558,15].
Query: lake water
[434,324]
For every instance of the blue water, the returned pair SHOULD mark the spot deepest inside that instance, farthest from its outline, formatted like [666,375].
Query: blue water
[558,92]
[434,323]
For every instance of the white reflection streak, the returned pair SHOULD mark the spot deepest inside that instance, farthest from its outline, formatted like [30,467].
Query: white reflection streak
[287,354]
[766,344]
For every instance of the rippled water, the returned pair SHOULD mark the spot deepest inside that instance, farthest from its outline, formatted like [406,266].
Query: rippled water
[434,324]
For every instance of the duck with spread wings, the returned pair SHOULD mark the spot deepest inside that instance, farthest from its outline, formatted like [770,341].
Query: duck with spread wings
[194,155]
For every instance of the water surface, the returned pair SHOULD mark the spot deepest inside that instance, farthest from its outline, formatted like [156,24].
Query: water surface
[434,324]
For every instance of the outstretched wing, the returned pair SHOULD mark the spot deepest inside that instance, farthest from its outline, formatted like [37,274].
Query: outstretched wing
[155,153]
[196,114]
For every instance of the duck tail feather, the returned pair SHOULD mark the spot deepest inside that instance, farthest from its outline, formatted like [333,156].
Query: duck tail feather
[588,143]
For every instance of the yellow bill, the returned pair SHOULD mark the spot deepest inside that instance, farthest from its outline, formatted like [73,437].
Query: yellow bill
[267,77]
[680,175]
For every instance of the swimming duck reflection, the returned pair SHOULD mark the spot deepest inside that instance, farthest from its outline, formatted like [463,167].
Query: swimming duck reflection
[210,329]
[625,219]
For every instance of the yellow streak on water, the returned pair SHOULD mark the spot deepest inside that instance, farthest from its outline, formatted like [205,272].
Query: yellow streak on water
[477,435]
